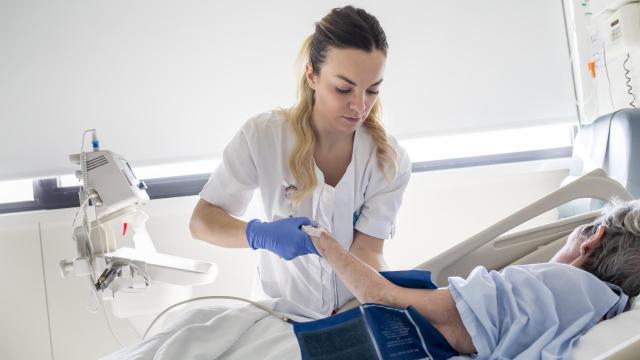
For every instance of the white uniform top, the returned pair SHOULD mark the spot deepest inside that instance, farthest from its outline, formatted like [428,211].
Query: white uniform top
[257,157]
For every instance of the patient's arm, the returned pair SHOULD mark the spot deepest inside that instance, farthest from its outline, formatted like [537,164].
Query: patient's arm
[369,286]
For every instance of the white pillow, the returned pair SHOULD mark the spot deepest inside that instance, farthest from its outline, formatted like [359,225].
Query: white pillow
[608,334]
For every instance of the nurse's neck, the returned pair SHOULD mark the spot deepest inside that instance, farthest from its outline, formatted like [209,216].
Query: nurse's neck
[328,139]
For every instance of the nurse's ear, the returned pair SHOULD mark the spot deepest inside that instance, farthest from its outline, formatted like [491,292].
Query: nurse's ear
[311,77]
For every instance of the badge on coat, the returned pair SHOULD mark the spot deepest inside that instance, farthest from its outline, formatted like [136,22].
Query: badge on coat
[289,192]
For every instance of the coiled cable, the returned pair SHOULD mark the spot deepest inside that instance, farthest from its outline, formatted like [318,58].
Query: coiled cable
[628,82]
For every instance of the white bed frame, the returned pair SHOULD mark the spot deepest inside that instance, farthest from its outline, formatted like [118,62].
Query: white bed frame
[628,350]
[494,249]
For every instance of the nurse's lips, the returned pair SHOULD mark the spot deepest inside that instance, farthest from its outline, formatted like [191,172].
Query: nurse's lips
[352,119]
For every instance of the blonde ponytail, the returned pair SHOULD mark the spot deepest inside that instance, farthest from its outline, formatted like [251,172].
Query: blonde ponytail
[301,163]
[345,27]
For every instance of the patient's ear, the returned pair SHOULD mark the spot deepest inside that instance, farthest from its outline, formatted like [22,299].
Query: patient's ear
[587,247]
[593,242]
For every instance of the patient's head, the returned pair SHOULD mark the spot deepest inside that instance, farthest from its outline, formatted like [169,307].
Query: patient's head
[609,248]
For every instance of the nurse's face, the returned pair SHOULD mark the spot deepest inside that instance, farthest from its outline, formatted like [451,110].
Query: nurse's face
[346,88]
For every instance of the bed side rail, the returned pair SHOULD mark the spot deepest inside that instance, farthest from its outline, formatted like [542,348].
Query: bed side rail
[494,250]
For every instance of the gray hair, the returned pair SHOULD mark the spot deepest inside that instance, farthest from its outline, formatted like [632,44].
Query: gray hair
[617,259]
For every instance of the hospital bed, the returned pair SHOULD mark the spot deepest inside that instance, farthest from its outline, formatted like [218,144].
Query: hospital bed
[242,333]
[498,246]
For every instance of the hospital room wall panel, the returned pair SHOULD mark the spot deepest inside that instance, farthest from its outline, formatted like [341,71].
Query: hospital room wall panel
[24,330]
[442,208]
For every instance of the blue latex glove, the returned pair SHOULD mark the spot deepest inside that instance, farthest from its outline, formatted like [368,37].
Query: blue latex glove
[282,237]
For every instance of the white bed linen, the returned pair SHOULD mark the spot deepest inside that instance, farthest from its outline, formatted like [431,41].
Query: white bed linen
[608,334]
[246,332]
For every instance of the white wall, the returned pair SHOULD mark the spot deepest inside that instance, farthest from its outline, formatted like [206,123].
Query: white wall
[443,208]
[24,330]
[440,209]
[128,68]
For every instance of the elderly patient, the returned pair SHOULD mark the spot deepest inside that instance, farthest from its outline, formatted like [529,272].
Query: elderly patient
[524,311]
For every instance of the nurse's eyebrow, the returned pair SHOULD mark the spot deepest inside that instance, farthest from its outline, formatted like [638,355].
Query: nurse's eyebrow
[354,83]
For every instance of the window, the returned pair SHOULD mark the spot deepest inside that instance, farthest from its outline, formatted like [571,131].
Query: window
[488,143]
[16,191]
[427,153]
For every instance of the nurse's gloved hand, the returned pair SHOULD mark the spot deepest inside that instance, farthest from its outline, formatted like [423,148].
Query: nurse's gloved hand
[282,237]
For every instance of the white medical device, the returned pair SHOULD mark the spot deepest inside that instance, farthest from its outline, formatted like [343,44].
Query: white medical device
[113,247]
[622,30]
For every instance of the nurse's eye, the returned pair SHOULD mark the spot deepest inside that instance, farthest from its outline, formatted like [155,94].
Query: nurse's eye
[342,91]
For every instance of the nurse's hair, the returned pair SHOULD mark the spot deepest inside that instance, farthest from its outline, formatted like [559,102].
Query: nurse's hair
[617,259]
[342,28]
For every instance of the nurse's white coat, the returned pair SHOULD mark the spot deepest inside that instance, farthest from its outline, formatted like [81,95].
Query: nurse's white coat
[363,200]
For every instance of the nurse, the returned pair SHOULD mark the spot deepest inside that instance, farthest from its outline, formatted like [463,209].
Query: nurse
[326,161]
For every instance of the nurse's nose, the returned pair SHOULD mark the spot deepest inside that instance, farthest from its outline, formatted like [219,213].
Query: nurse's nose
[357,103]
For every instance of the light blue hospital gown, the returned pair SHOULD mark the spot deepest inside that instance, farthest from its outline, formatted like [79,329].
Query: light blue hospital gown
[530,311]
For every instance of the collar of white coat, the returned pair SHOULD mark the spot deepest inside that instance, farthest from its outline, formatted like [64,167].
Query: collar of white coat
[320,176]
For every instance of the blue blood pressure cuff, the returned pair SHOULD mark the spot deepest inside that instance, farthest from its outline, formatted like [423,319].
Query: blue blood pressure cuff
[373,331]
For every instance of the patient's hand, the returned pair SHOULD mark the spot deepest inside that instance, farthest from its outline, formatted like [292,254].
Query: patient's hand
[321,238]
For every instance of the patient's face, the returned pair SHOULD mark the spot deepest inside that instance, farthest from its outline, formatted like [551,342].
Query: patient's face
[571,249]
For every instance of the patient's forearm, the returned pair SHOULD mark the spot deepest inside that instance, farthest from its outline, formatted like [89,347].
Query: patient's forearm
[368,286]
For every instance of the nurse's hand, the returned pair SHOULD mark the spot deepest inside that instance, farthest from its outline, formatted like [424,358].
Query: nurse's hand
[282,237]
